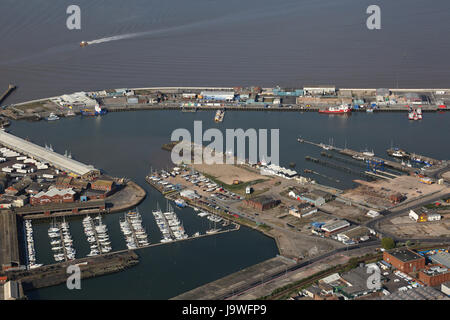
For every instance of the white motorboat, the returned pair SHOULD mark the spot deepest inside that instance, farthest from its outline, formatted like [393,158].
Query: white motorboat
[52,117]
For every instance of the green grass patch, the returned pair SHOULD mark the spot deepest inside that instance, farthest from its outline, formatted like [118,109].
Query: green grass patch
[237,188]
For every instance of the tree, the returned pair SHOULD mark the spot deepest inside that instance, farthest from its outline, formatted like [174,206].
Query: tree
[387,243]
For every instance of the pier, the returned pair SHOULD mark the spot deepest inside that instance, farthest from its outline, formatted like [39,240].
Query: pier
[377,175]
[133,231]
[62,242]
[63,209]
[414,156]
[54,274]
[338,167]
[100,246]
[8,91]
[389,163]
[9,242]
[352,153]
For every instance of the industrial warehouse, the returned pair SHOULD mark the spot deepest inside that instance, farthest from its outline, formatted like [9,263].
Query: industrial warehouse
[404,276]
[47,156]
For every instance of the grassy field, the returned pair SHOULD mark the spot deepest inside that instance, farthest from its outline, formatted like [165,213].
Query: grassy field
[236,188]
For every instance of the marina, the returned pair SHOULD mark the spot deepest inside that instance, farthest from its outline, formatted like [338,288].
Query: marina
[97,235]
[131,226]
[174,195]
[61,241]
[368,157]
[169,224]
[30,249]
[112,94]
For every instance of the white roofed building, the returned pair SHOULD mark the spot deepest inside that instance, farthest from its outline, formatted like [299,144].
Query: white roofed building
[218,95]
[46,156]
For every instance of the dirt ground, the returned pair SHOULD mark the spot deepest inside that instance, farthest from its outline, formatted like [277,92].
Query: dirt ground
[377,193]
[345,211]
[296,241]
[405,227]
[227,173]
[446,176]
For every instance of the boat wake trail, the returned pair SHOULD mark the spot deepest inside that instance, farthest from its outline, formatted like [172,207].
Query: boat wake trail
[115,38]
[145,33]
[209,22]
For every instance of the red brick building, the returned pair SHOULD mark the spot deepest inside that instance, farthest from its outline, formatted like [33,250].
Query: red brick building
[64,182]
[434,275]
[404,260]
[53,196]
[262,203]
[102,185]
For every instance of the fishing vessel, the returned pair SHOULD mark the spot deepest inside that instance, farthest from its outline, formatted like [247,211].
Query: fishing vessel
[52,117]
[219,115]
[397,153]
[180,203]
[419,113]
[326,147]
[415,114]
[203,214]
[342,109]
[358,157]
[368,153]
[98,111]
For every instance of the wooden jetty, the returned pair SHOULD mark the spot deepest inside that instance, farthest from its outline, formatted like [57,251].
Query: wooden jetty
[339,167]
[389,163]
[8,91]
